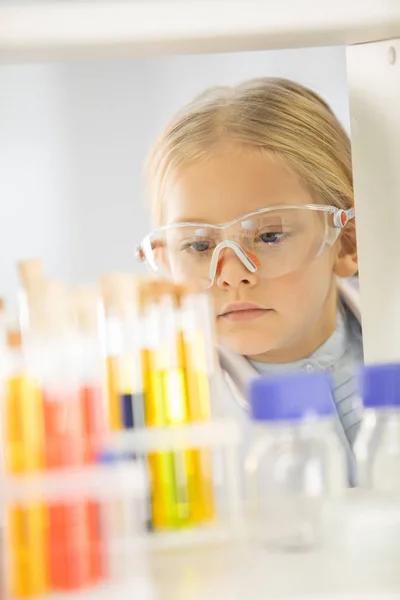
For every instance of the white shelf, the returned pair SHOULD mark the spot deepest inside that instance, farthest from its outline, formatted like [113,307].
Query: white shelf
[92,29]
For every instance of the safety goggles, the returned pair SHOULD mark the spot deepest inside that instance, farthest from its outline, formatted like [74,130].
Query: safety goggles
[272,241]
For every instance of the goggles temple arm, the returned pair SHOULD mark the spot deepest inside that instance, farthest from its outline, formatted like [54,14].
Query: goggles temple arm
[342,217]
[139,254]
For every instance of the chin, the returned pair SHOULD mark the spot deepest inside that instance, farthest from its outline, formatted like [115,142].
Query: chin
[248,343]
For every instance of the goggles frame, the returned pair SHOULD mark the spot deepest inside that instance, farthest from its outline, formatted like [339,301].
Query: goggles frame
[340,218]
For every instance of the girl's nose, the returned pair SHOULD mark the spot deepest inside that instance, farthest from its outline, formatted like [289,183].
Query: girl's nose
[231,272]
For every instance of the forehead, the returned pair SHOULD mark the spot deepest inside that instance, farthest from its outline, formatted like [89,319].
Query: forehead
[229,184]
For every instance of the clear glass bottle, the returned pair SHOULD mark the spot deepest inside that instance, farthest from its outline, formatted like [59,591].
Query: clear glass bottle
[377,447]
[296,461]
[371,518]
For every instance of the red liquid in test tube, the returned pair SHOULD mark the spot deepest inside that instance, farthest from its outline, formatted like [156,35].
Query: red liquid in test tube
[93,414]
[68,539]
[67,527]
[93,421]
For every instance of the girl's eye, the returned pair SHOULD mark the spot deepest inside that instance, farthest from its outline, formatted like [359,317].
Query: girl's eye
[199,246]
[270,237]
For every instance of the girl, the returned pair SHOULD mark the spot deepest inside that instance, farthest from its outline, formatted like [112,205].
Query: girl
[251,190]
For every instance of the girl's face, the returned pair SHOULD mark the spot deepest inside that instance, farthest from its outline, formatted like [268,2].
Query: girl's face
[297,311]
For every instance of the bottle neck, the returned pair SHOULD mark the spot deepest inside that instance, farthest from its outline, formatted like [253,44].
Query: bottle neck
[381,417]
[377,449]
[303,428]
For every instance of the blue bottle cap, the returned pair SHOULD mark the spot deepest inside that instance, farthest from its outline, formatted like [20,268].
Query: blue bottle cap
[380,385]
[291,397]
[107,457]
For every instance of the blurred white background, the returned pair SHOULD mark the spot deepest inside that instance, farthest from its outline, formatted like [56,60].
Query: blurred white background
[73,138]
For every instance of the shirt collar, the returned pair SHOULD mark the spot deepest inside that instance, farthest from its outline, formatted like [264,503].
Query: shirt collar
[324,358]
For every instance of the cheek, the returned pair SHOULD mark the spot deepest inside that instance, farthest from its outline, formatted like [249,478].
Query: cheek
[306,287]
[218,299]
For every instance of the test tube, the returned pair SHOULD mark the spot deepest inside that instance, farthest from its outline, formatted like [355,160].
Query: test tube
[120,293]
[199,349]
[3,339]
[200,353]
[113,344]
[23,419]
[64,444]
[3,347]
[126,397]
[26,523]
[3,365]
[166,403]
[161,464]
[23,446]
[64,440]
[88,309]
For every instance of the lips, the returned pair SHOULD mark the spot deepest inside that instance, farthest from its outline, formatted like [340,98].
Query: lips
[242,311]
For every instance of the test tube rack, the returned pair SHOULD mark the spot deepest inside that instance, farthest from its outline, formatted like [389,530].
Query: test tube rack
[126,481]
[108,455]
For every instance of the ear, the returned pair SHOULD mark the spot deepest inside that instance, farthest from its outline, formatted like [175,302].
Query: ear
[346,260]
[346,265]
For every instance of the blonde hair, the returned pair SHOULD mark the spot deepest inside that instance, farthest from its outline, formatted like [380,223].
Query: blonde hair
[277,116]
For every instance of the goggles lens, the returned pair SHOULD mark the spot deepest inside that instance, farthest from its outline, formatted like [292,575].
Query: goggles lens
[275,241]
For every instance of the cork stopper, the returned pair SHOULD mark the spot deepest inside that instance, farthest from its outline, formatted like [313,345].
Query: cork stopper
[120,292]
[14,338]
[86,301]
[30,273]
[114,285]
[53,314]
[188,289]
[153,290]
[183,291]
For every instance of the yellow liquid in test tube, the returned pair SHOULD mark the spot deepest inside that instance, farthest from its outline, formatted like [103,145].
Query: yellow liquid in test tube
[24,449]
[199,410]
[27,528]
[181,481]
[176,409]
[112,331]
[114,408]
[24,453]
[161,464]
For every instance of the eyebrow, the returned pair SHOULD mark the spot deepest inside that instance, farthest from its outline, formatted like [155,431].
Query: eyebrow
[203,221]
[191,220]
